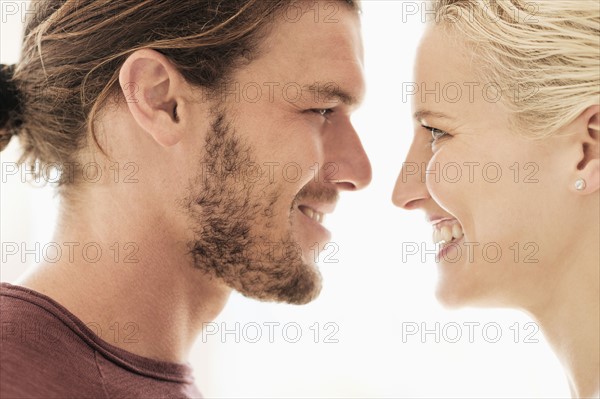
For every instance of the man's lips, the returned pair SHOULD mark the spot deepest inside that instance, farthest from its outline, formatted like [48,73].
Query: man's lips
[316,211]
[315,201]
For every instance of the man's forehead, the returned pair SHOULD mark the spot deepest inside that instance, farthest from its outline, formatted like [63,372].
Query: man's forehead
[331,91]
[326,58]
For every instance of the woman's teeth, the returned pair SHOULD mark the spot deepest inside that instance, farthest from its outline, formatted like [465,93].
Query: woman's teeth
[311,213]
[447,233]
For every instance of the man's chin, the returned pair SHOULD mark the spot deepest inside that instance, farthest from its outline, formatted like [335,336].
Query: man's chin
[299,289]
[303,297]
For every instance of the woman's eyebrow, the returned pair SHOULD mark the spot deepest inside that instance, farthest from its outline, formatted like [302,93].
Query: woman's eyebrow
[422,114]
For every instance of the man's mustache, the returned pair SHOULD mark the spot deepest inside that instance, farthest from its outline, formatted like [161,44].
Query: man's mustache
[318,193]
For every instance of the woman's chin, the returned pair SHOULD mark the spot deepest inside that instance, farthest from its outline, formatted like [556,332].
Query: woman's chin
[456,297]
[450,298]
[455,292]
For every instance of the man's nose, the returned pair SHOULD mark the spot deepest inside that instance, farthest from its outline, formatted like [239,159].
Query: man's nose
[347,164]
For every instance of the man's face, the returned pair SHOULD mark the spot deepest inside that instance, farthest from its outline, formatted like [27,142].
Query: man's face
[280,148]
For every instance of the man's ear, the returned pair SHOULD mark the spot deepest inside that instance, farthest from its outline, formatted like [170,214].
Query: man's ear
[586,129]
[153,89]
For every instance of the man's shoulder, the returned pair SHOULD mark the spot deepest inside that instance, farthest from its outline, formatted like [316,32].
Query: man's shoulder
[39,353]
[27,324]
[46,351]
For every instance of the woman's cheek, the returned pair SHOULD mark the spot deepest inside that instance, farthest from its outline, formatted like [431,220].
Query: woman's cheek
[444,178]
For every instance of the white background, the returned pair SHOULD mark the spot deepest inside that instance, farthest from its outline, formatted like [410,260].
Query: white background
[367,295]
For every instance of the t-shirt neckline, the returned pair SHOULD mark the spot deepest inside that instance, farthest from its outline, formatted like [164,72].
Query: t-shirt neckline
[176,372]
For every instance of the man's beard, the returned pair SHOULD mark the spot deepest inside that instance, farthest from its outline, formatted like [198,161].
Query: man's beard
[231,216]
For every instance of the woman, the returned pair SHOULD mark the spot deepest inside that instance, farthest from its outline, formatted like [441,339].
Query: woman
[505,163]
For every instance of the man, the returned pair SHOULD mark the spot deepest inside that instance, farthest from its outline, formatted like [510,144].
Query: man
[197,191]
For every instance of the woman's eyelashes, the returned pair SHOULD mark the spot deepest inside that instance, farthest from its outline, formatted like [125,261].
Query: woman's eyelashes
[436,134]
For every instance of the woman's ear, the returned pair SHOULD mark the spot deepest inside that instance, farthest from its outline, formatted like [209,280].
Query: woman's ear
[152,86]
[586,177]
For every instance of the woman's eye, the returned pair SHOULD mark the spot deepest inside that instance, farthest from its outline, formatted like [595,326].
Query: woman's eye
[436,134]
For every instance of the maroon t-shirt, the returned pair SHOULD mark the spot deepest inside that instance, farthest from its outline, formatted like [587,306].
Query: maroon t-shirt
[47,352]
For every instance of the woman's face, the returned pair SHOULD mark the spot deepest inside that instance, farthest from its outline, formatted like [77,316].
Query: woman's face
[504,200]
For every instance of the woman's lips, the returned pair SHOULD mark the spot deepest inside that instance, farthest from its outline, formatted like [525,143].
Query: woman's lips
[446,231]
[447,247]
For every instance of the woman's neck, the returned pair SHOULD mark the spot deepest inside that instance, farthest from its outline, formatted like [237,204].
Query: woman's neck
[570,319]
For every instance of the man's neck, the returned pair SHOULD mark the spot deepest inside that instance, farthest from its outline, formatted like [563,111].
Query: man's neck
[140,293]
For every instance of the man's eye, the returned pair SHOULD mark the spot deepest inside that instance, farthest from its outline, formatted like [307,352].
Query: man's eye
[324,112]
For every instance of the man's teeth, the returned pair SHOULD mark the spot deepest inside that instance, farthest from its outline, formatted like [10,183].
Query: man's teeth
[311,213]
[446,234]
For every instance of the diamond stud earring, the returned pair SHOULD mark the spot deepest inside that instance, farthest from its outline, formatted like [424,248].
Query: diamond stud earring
[580,184]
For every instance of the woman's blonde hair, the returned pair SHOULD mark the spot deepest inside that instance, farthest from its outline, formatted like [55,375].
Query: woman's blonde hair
[545,55]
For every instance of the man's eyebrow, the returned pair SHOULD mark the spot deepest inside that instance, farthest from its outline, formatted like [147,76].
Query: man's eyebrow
[326,92]
[422,114]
